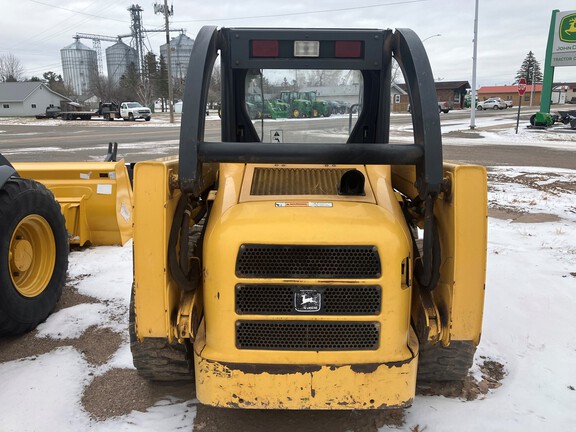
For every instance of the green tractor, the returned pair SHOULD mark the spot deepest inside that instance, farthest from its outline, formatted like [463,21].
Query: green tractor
[299,107]
[269,109]
[319,107]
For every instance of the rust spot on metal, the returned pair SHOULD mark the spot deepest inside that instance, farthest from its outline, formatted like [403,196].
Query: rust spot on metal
[272,369]
[371,367]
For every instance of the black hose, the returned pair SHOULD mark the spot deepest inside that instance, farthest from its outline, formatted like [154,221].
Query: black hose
[178,266]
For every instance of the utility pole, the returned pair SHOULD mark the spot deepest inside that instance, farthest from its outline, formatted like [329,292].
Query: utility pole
[167,12]
[474,59]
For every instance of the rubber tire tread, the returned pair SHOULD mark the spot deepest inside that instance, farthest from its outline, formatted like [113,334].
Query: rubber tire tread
[156,359]
[440,363]
[20,198]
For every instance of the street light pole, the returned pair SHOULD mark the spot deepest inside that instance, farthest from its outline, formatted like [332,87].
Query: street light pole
[430,37]
[474,58]
[169,60]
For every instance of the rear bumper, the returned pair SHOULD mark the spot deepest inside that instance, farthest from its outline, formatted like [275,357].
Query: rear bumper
[296,386]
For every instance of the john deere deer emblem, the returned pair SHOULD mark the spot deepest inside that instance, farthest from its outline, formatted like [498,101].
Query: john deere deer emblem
[568,28]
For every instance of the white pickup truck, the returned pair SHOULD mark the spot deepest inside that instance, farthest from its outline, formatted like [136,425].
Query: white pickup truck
[133,110]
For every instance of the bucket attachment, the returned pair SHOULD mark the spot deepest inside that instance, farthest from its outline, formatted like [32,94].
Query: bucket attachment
[95,198]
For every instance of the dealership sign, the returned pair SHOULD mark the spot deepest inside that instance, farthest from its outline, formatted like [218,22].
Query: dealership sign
[564,49]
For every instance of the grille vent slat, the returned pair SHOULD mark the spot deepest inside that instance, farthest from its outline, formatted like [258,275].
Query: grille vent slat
[296,181]
[307,336]
[303,261]
[267,299]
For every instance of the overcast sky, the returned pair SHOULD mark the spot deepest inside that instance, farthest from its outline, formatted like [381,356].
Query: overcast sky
[35,30]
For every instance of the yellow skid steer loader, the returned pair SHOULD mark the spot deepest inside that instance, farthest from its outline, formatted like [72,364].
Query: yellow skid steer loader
[281,268]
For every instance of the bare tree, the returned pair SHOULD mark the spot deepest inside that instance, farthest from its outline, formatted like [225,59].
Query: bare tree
[10,68]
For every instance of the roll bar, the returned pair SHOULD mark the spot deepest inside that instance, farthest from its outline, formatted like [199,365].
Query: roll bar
[368,143]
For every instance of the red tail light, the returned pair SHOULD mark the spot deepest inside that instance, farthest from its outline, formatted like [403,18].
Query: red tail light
[348,49]
[265,48]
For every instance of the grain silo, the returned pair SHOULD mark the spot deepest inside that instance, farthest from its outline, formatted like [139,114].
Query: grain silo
[181,49]
[118,57]
[79,67]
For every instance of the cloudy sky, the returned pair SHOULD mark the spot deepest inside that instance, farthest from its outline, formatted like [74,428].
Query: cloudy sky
[35,30]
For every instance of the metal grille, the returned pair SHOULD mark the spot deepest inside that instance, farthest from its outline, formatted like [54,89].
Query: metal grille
[296,181]
[322,262]
[261,299]
[307,336]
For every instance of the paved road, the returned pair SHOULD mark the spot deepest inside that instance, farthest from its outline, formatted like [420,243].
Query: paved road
[56,140]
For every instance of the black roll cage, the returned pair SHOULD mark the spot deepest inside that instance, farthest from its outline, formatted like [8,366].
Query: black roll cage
[369,140]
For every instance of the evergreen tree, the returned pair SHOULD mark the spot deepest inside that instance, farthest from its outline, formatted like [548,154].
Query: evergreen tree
[162,82]
[530,70]
[129,83]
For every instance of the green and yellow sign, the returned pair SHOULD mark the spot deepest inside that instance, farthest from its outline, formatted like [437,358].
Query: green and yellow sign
[564,48]
[567,28]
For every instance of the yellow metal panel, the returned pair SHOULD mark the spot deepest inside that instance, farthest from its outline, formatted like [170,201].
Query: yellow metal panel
[303,384]
[155,296]
[96,198]
[462,223]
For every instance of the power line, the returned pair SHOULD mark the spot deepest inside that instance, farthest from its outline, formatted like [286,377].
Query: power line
[76,11]
[305,13]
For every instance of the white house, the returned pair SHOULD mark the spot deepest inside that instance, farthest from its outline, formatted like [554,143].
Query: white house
[27,98]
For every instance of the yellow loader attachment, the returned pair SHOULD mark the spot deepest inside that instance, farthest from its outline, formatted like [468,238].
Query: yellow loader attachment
[95,198]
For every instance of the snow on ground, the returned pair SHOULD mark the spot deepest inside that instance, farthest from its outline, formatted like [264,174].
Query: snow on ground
[528,327]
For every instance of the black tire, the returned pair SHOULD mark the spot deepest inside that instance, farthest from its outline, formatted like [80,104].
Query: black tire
[131,117]
[439,363]
[495,107]
[533,119]
[479,108]
[148,118]
[33,255]
[157,360]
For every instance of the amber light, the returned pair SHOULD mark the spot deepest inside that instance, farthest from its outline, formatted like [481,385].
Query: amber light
[348,49]
[265,48]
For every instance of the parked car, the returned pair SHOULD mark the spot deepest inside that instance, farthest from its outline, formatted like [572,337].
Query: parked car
[509,103]
[492,103]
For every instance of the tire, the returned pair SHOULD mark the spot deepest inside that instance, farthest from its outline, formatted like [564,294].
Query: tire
[445,111]
[131,117]
[148,118]
[439,363]
[106,117]
[296,113]
[33,255]
[315,113]
[156,359]
[533,119]
[479,108]
[495,107]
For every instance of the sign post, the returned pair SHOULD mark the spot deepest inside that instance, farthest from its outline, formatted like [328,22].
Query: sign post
[521,91]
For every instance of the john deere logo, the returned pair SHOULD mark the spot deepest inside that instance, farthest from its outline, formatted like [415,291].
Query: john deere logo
[307,300]
[567,28]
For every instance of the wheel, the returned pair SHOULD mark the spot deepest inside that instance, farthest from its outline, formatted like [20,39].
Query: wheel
[33,255]
[439,363]
[106,117]
[148,118]
[296,113]
[533,119]
[131,117]
[156,359]
[495,107]
[445,111]
[315,113]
